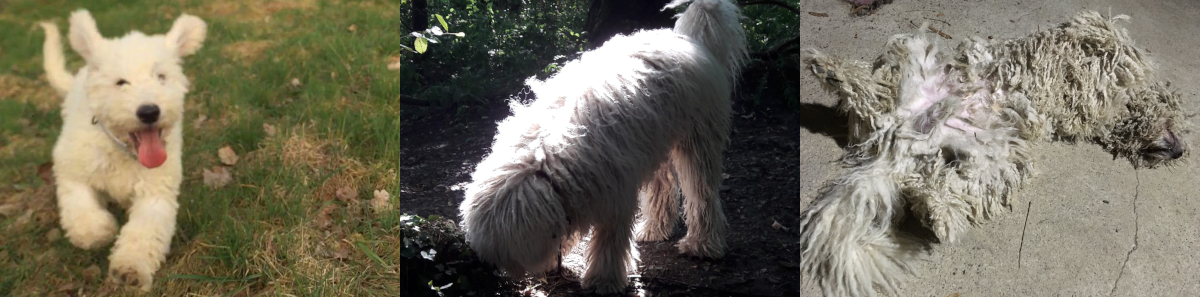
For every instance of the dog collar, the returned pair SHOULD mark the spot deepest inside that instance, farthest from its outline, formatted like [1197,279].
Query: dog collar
[114,139]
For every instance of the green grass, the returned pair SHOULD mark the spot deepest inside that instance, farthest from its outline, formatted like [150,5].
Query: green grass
[260,234]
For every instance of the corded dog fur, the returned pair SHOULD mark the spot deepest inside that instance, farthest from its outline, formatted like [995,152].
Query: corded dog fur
[946,134]
[608,125]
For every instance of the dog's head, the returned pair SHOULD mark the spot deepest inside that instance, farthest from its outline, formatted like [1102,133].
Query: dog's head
[134,84]
[1150,131]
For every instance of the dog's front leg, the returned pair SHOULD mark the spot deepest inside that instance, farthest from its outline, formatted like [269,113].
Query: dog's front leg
[144,241]
[87,224]
[608,254]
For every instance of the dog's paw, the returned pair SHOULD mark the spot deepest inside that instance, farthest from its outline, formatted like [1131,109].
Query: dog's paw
[131,275]
[701,248]
[948,221]
[90,231]
[649,233]
[826,74]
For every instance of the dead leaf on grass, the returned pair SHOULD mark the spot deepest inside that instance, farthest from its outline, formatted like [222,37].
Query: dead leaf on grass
[269,129]
[53,234]
[296,82]
[324,218]
[381,201]
[218,177]
[199,121]
[46,172]
[352,28]
[394,63]
[227,156]
[10,209]
[67,288]
[346,194]
[91,273]
[342,250]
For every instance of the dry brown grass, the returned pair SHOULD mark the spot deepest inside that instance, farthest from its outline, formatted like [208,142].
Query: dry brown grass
[254,11]
[36,92]
[247,52]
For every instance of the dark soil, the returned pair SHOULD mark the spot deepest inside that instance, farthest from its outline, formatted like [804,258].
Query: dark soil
[441,150]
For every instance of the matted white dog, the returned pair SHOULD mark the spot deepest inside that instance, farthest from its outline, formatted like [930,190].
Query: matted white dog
[121,138]
[608,125]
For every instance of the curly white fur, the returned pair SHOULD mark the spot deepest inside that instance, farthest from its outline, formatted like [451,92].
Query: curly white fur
[607,125]
[97,154]
[946,135]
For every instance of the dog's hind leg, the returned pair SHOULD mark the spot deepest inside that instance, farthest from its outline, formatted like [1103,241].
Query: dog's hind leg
[863,97]
[699,168]
[660,205]
[87,224]
[609,252]
[144,241]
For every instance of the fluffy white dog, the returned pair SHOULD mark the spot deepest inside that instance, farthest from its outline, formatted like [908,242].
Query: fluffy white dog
[121,138]
[946,134]
[612,123]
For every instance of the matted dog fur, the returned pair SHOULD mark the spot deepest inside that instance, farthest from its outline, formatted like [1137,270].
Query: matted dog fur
[606,126]
[946,134]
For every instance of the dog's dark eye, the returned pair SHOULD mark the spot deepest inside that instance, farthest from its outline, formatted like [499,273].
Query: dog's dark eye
[162,77]
[122,82]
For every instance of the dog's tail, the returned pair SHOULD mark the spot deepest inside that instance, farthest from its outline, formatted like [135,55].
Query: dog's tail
[848,244]
[716,25]
[53,60]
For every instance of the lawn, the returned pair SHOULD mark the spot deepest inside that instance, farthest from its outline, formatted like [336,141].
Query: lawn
[300,90]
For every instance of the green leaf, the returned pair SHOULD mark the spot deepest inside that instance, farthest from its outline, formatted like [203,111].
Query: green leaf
[421,45]
[443,21]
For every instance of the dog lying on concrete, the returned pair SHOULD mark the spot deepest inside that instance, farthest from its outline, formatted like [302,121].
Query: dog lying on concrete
[612,123]
[946,134]
[122,138]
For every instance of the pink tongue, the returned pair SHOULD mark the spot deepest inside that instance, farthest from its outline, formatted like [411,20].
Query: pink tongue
[151,151]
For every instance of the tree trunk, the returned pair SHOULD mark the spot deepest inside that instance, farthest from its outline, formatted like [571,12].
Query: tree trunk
[420,16]
[420,22]
[607,18]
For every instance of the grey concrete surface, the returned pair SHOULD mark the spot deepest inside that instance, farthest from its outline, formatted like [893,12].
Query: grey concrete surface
[1093,226]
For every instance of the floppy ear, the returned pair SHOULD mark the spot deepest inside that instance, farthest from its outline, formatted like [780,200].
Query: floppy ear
[186,35]
[84,36]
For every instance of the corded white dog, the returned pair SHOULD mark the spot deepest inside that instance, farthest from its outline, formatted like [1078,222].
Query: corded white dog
[946,134]
[606,126]
[121,138]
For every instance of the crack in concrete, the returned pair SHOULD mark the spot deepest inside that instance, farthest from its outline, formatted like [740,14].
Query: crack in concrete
[1136,228]
[1022,248]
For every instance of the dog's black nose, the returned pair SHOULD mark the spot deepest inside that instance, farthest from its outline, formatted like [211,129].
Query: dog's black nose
[1176,154]
[148,113]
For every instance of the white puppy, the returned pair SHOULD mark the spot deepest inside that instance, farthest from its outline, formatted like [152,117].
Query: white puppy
[122,138]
